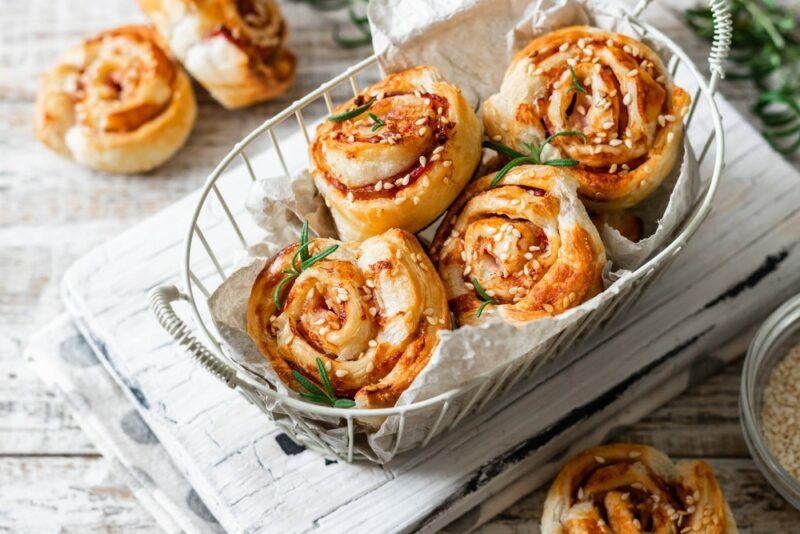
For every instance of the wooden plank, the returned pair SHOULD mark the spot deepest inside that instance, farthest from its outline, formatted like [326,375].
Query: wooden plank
[54,494]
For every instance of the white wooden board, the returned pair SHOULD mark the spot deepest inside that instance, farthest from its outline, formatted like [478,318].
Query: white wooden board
[736,268]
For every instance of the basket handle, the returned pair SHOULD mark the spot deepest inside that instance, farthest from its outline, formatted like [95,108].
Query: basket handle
[161,299]
[721,43]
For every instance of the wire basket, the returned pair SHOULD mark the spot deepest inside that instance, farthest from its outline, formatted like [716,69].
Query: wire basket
[220,226]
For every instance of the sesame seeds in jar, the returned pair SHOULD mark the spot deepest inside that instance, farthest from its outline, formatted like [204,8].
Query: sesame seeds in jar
[780,412]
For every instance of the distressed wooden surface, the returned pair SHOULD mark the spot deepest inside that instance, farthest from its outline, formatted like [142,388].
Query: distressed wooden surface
[54,211]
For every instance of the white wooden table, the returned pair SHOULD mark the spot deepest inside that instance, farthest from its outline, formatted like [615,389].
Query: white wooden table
[53,211]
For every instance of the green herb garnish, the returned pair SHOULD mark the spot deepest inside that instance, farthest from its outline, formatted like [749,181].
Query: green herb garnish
[484,297]
[377,122]
[359,21]
[306,260]
[576,83]
[765,49]
[535,157]
[355,112]
[318,395]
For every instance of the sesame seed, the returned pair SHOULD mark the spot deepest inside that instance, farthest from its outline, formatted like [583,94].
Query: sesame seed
[399,200]
[613,168]
[415,200]
[662,121]
[549,309]
[425,181]
[628,143]
[563,47]
[341,372]
[607,125]
[632,73]
[670,118]
[372,343]
[421,121]
[572,62]
[350,196]
[388,185]
[599,459]
[670,137]
[447,163]
[379,185]
[423,131]
[615,142]
[422,161]
[627,99]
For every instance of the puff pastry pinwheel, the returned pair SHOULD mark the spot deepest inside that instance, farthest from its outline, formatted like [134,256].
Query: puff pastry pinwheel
[370,312]
[628,488]
[117,102]
[234,48]
[396,155]
[523,247]
[613,89]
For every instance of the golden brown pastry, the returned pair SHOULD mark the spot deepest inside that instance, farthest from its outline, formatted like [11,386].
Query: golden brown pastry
[613,89]
[234,48]
[116,102]
[396,155]
[370,311]
[528,243]
[629,488]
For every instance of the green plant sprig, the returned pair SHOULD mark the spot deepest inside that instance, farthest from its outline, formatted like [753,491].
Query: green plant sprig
[360,22]
[305,260]
[352,113]
[377,122]
[318,395]
[765,50]
[487,300]
[577,86]
[534,158]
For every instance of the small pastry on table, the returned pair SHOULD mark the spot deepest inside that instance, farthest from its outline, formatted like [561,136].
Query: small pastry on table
[117,102]
[367,313]
[628,488]
[234,48]
[611,89]
[520,246]
[396,155]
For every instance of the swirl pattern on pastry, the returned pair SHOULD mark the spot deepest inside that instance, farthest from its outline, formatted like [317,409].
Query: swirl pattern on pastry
[612,88]
[234,48]
[116,102]
[527,241]
[629,488]
[400,162]
[370,311]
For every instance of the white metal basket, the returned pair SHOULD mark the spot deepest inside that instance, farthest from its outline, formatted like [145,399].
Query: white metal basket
[336,431]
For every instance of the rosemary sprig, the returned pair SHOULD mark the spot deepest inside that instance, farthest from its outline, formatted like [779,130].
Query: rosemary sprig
[535,157]
[576,83]
[765,49]
[355,112]
[306,260]
[313,392]
[487,300]
[359,21]
[377,122]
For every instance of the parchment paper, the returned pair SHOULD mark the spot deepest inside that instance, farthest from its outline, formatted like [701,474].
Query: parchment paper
[471,42]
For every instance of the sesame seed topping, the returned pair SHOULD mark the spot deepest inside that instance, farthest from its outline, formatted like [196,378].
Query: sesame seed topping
[372,343]
[549,309]
[632,73]
[423,131]
[615,142]
[341,372]
[350,196]
[670,137]
[563,47]
[421,121]
[627,99]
